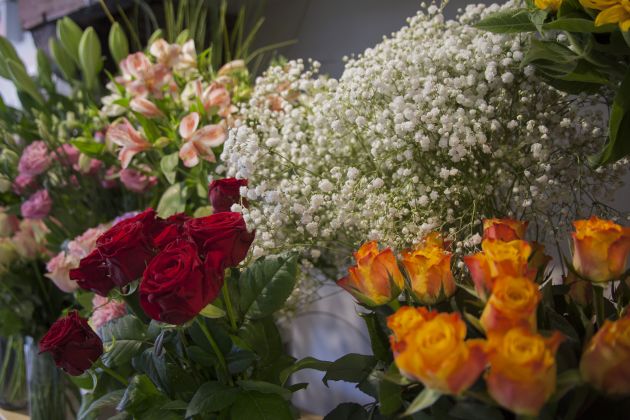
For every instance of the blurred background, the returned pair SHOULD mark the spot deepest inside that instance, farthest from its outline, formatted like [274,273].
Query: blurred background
[325,30]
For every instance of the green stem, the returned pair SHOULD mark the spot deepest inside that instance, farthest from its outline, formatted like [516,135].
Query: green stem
[134,306]
[394,304]
[215,347]
[113,374]
[598,304]
[228,305]
[40,282]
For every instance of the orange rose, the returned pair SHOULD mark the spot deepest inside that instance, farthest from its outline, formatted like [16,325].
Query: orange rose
[406,319]
[512,304]
[435,353]
[600,249]
[376,279]
[522,373]
[504,229]
[429,269]
[497,259]
[606,361]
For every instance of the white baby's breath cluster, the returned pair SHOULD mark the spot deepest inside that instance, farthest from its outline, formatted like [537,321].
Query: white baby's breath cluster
[434,128]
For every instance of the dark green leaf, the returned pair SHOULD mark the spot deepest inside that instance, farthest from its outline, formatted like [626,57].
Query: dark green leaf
[350,368]
[573,24]
[240,360]
[306,363]
[23,81]
[266,284]
[110,399]
[122,339]
[468,410]
[211,397]
[255,405]
[378,337]
[265,388]
[507,21]
[389,394]
[140,395]
[348,411]
[550,52]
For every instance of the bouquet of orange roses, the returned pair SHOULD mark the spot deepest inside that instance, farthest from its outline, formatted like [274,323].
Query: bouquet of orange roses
[499,340]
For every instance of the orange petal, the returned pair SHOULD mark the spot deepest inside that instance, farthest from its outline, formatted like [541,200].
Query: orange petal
[188,154]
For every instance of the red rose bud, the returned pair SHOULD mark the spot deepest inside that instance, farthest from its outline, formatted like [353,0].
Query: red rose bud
[126,247]
[225,192]
[73,345]
[504,229]
[93,274]
[176,286]
[173,228]
[223,233]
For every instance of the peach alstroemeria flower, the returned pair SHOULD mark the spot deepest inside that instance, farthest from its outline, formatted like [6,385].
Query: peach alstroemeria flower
[231,67]
[141,77]
[187,59]
[504,229]
[512,304]
[522,373]
[600,249]
[498,258]
[429,269]
[199,142]
[605,363]
[165,53]
[436,353]
[376,279]
[145,107]
[132,141]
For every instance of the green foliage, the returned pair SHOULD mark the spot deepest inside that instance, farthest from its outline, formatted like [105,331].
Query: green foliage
[507,21]
[90,58]
[118,43]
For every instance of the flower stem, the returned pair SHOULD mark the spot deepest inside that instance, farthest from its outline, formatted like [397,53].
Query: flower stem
[228,306]
[394,304]
[598,304]
[215,347]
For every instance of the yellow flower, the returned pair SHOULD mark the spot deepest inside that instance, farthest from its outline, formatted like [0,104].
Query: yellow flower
[606,361]
[376,279]
[522,373]
[429,269]
[612,11]
[436,353]
[512,304]
[550,5]
[406,319]
[600,249]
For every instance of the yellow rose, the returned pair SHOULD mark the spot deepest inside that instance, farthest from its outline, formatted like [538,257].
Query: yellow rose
[522,373]
[429,269]
[600,249]
[376,279]
[512,304]
[605,363]
[436,353]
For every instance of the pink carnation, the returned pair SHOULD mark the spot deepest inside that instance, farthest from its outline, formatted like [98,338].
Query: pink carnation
[22,183]
[68,155]
[137,181]
[109,180]
[37,206]
[35,159]
[105,310]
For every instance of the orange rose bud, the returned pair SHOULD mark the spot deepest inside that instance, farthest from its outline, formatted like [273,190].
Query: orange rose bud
[605,363]
[504,229]
[512,304]
[497,259]
[522,373]
[376,279]
[600,249]
[429,269]
[436,353]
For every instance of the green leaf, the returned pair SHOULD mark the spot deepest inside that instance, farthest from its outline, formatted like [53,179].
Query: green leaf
[211,311]
[62,59]
[44,71]
[626,37]
[173,200]
[90,57]
[265,388]
[266,284]
[575,24]
[618,144]
[259,406]
[586,73]
[566,381]
[538,17]
[469,410]
[348,411]
[140,395]
[122,339]
[378,338]
[111,399]
[23,81]
[507,21]
[7,52]
[211,397]
[389,393]
[262,337]
[69,35]
[306,363]
[350,368]
[168,164]
[425,399]
[88,147]
[118,43]
[550,52]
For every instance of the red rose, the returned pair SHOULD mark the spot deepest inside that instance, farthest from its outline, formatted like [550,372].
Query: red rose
[225,192]
[72,343]
[222,233]
[172,229]
[93,274]
[127,247]
[176,286]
